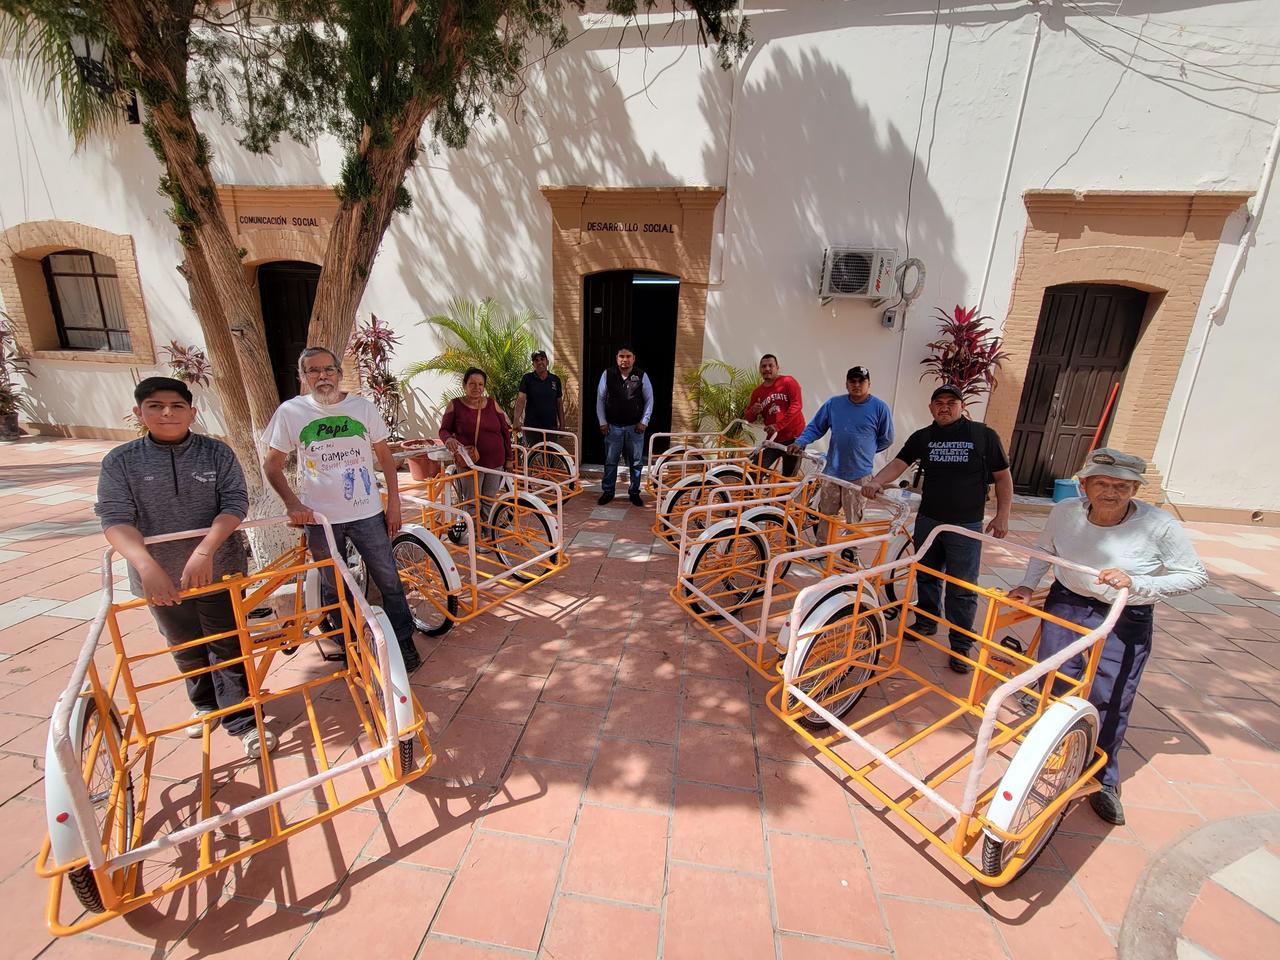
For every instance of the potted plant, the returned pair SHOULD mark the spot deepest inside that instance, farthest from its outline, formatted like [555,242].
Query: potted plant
[968,353]
[189,364]
[12,363]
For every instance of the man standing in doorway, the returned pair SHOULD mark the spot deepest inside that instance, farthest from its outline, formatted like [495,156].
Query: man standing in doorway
[778,401]
[624,404]
[959,458]
[540,402]
[337,438]
[861,426]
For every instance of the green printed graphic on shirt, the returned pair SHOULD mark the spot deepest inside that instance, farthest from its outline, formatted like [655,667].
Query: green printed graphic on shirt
[330,428]
[335,450]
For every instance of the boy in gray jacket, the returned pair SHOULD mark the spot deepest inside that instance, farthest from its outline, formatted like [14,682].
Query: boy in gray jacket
[169,481]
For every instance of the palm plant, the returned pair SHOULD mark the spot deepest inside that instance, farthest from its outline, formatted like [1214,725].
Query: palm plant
[967,355]
[487,335]
[719,392]
[12,362]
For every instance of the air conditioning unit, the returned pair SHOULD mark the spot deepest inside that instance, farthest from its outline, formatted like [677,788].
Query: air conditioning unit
[865,273]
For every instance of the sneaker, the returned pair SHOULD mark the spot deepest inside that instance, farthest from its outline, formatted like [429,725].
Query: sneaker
[850,556]
[458,532]
[255,746]
[959,666]
[196,730]
[635,500]
[605,498]
[1106,804]
[412,661]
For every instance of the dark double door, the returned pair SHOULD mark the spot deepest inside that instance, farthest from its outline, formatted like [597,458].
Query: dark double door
[1084,339]
[287,291]
[628,306]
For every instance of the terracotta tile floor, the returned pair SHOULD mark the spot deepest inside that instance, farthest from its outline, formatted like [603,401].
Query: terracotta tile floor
[609,783]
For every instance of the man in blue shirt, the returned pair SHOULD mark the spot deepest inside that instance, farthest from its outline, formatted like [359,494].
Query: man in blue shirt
[861,426]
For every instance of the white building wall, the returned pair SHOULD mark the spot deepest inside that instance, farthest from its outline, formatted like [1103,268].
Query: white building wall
[824,128]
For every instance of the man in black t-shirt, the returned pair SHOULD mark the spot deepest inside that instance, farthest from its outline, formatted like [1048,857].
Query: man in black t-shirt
[540,403]
[959,459]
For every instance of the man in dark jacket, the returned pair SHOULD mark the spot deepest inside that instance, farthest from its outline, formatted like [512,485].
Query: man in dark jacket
[624,404]
[169,481]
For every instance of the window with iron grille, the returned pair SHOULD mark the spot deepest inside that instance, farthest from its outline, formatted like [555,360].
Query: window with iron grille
[85,295]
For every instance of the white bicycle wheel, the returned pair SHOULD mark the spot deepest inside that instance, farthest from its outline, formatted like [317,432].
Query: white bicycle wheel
[1048,762]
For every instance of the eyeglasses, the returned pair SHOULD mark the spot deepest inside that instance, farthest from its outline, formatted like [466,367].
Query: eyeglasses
[316,371]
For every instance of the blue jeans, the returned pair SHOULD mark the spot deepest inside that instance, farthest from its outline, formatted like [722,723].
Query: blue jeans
[615,441]
[959,557]
[374,546]
[1124,655]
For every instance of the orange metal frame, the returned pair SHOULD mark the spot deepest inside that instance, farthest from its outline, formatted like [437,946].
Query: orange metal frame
[137,750]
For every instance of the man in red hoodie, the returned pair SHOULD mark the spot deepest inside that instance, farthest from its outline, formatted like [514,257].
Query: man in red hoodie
[778,401]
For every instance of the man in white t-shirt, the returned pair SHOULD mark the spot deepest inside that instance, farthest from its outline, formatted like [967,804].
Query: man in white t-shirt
[339,440]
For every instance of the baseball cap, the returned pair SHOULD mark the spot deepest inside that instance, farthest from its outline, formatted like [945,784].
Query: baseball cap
[858,373]
[950,388]
[1108,462]
[538,353]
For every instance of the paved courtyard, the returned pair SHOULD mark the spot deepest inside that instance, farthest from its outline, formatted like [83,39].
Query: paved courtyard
[609,784]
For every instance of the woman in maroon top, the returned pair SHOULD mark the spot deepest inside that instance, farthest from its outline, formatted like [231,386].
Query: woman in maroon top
[475,420]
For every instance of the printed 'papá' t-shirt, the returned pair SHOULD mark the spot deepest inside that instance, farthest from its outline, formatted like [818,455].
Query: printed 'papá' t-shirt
[334,444]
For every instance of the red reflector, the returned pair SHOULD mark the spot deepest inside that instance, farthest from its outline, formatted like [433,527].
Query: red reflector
[61,818]
[1007,795]
[404,699]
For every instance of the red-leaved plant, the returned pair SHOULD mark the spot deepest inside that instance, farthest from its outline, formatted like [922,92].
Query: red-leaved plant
[372,344]
[967,354]
[188,364]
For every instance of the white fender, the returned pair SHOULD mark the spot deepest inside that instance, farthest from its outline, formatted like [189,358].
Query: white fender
[402,698]
[718,529]
[1020,777]
[452,579]
[756,514]
[689,480]
[64,839]
[725,471]
[818,611]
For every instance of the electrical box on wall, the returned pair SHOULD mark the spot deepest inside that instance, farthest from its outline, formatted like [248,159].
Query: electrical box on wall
[864,273]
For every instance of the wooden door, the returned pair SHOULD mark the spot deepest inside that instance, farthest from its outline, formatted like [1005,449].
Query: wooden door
[287,291]
[1084,339]
[615,310]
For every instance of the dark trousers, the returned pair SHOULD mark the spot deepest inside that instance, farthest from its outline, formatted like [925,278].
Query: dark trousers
[616,441]
[1124,655]
[369,536]
[957,556]
[202,617]
[790,462]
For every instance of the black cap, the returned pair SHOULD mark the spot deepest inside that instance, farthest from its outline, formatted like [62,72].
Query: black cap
[538,353]
[858,373]
[152,385]
[950,388]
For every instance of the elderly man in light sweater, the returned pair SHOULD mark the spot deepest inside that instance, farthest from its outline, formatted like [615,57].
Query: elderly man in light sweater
[1134,545]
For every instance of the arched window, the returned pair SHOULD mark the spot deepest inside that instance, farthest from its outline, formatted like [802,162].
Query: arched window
[85,295]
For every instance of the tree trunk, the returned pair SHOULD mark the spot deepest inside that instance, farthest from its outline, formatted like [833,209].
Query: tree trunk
[156,41]
[357,233]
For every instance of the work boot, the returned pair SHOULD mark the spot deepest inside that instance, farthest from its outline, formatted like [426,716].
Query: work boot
[605,498]
[412,661]
[959,666]
[635,500]
[1106,804]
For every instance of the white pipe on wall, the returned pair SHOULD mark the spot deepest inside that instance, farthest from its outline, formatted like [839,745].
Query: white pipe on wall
[1008,167]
